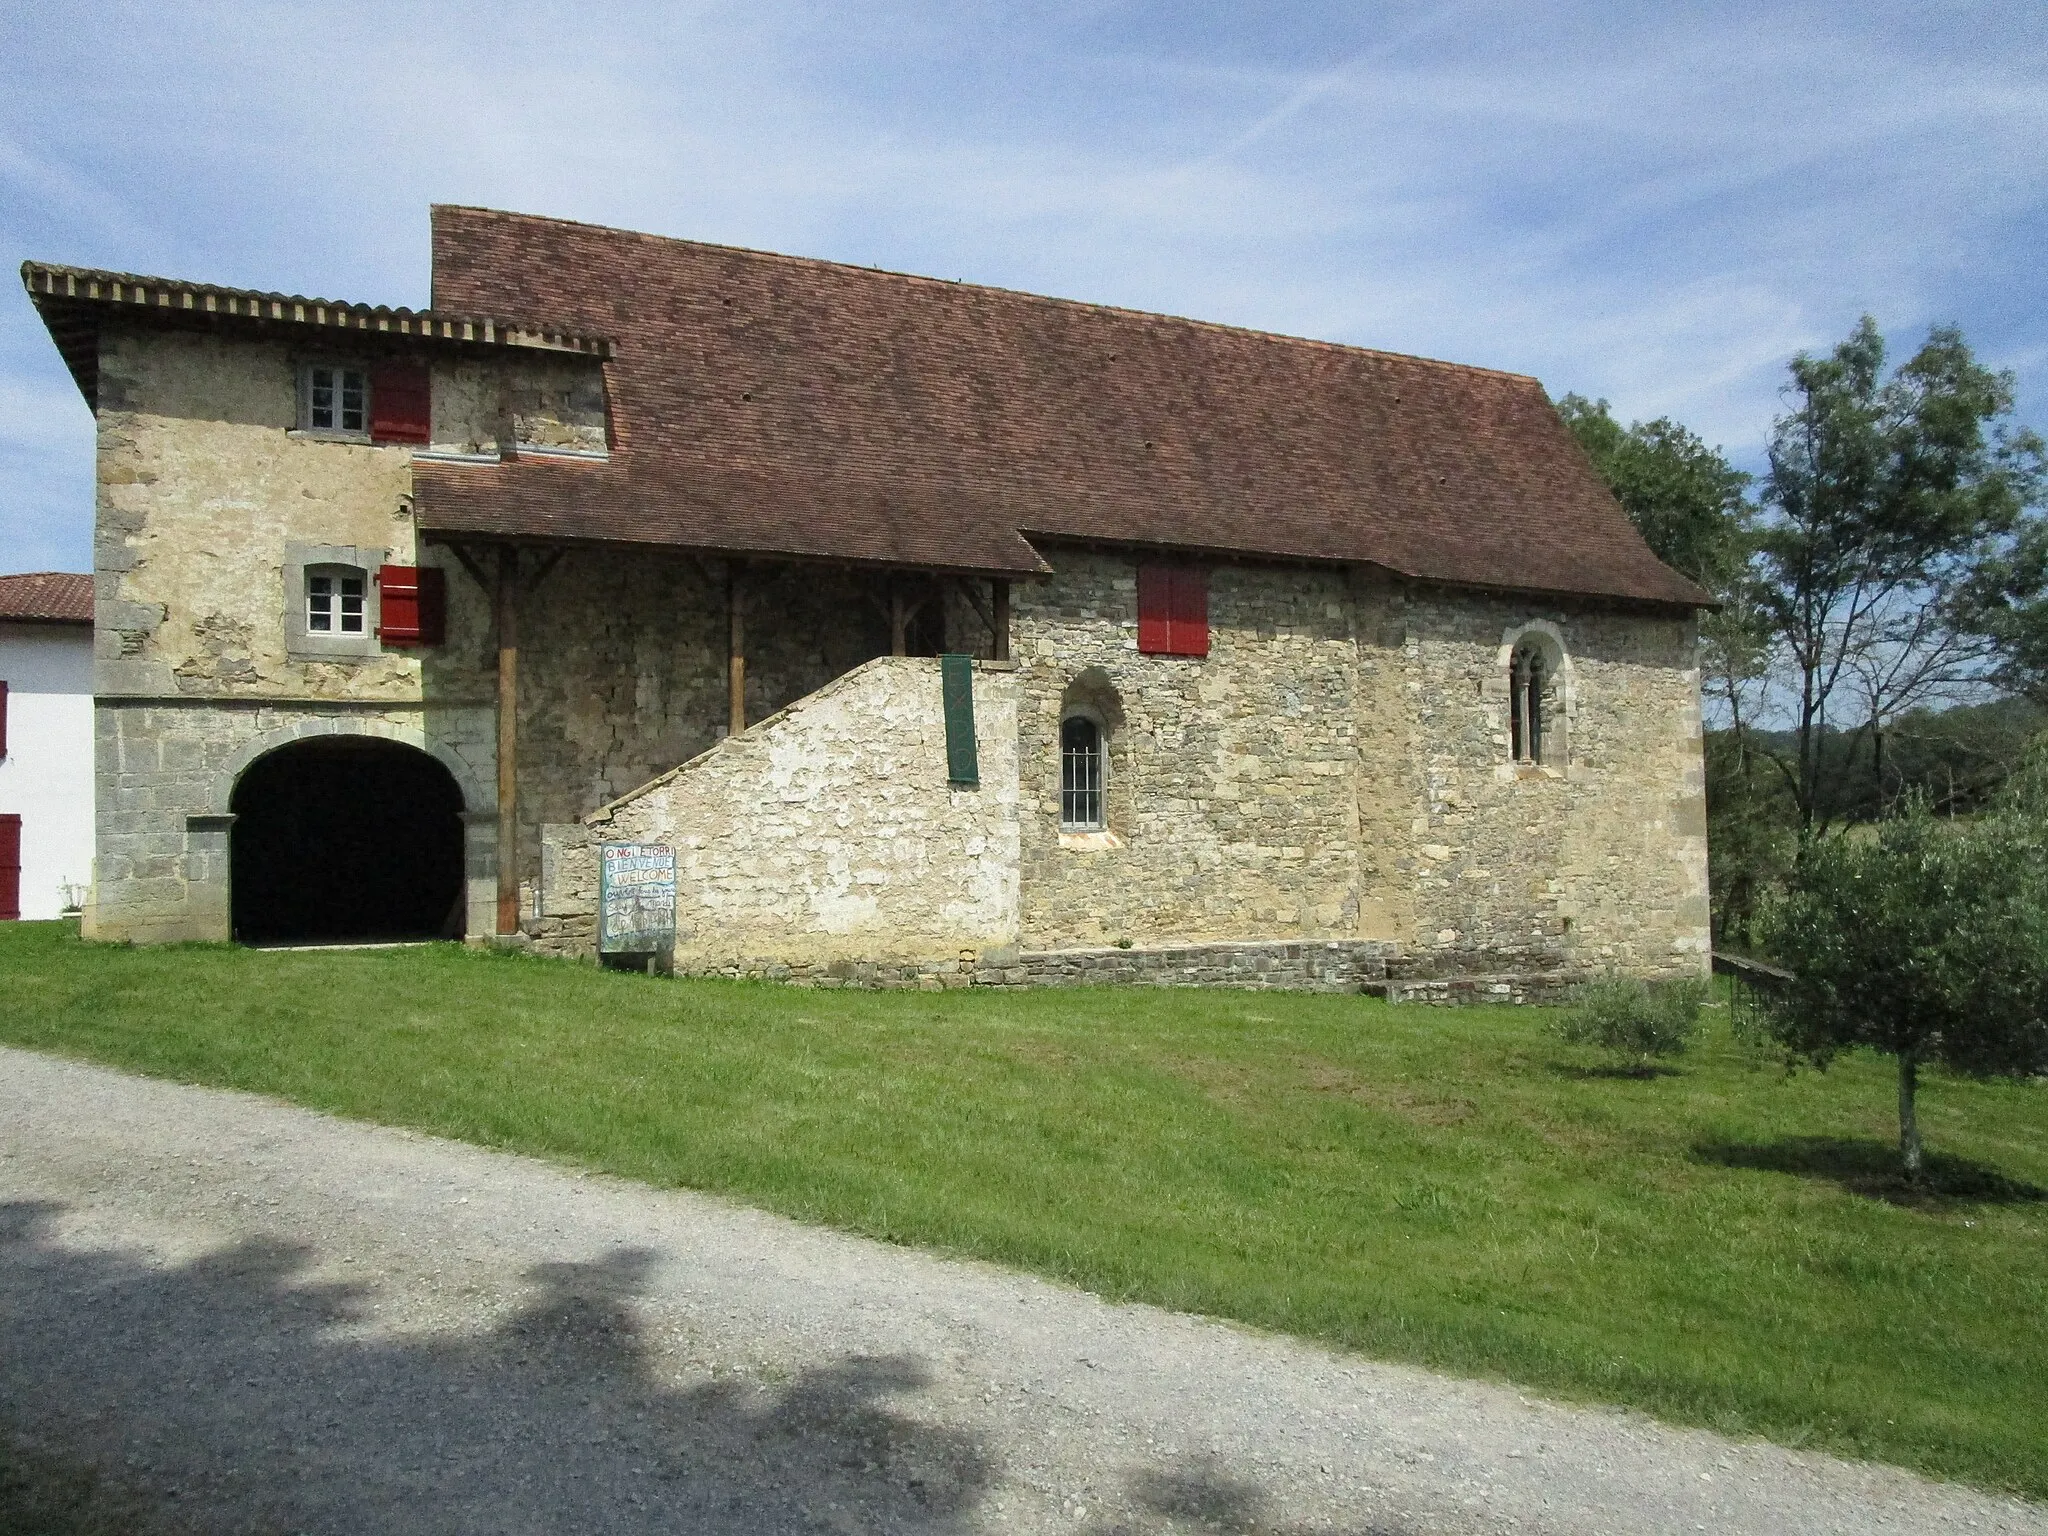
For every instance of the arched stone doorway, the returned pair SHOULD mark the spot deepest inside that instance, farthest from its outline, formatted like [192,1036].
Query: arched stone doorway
[346,838]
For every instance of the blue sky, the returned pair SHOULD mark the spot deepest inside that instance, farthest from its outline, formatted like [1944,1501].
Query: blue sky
[1658,203]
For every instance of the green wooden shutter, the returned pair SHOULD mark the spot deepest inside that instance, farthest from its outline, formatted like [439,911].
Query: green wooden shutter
[963,768]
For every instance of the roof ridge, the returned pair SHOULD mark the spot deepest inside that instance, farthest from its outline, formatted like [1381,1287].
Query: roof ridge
[956,285]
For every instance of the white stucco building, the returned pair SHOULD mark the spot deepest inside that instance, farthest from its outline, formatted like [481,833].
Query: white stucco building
[46,778]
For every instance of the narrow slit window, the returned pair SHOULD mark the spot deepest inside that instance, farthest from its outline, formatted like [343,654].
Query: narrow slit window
[1525,706]
[1081,775]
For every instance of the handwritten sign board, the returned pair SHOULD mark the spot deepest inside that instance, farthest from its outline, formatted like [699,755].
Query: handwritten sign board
[636,898]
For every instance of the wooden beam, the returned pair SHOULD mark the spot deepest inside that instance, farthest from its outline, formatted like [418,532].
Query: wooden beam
[506,612]
[999,592]
[972,597]
[899,623]
[548,562]
[735,648]
[470,564]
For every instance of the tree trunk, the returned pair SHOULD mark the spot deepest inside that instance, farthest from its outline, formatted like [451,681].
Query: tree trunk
[1909,1124]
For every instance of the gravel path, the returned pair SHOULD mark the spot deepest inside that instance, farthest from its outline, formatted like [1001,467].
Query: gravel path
[263,1319]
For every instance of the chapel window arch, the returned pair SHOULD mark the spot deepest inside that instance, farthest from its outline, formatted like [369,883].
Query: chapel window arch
[1091,741]
[1538,696]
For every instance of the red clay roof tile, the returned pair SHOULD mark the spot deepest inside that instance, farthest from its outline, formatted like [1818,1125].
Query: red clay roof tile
[46,597]
[771,404]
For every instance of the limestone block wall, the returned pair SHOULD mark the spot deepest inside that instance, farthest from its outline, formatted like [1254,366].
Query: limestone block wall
[1597,856]
[165,776]
[1232,794]
[493,406]
[201,489]
[622,668]
[824,836]
[1339,767]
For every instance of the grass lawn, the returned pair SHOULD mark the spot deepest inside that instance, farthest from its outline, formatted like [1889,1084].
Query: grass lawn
[1445,1186]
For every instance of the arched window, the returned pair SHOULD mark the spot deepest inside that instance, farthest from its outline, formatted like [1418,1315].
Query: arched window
[1525,705]
[1081,774]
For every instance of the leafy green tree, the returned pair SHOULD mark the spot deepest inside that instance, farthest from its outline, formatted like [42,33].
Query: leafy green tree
[1684,498]
[1895,509]
[1927,942]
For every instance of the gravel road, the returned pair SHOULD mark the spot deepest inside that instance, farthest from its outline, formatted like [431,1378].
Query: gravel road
[256,1318]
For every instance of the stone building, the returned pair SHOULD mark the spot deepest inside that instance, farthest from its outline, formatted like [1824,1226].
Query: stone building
[1290,663]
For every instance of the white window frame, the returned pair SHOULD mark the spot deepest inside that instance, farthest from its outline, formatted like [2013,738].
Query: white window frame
[332,378]
[303,564]
[329,614]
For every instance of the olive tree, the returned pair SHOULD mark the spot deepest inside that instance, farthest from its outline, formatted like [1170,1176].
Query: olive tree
[1927,942]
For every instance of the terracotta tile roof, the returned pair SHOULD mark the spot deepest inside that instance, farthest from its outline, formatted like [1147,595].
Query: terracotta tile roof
[769,403]
[46,597]
[73,302]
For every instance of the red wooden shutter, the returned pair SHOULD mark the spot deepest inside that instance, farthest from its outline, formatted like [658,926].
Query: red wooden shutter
[1155,610]
[412,605]
[3,720]
[401,404]
[1190,611]
[10,868]
[398,604]
[1173,610]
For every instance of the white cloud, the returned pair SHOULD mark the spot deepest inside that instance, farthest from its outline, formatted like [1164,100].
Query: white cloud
[1652,203]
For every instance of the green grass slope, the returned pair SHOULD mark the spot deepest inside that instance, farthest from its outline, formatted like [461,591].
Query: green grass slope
[1717,1246]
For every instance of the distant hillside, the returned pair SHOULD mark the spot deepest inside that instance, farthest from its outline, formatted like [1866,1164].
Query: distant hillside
[1958,757]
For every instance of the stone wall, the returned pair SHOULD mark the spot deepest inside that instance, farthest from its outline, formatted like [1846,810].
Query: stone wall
[824,836]
[1596,856]
[1338,767]
[1335,771]
[201,488]
[622,671]
[165,776]
[1231,779]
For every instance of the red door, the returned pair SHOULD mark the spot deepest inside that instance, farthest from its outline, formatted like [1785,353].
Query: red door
[10,868]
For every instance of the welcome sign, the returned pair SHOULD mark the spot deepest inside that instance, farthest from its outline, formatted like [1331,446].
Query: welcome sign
[636,898]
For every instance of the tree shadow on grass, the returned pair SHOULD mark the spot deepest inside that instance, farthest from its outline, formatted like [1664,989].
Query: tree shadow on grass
[1870,1168]
[234,1393]
[1631,1072]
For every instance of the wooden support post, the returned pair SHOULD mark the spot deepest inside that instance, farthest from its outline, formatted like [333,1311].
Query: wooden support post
[507,616]
[899,622]
[999,592]
[735,650]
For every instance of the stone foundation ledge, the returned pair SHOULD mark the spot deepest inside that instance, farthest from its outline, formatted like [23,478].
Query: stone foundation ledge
[1547,987]
[1374,967]
[1291,965]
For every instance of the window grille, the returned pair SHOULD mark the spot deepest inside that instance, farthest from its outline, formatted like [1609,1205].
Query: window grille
[1080,775]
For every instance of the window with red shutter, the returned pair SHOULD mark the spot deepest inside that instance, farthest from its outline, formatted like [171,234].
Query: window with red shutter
[401,404]
[1173,610]
[1155,610]
[1190,611]
[412,605]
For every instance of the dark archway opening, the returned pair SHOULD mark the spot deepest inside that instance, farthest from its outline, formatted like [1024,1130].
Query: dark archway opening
[346,839]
